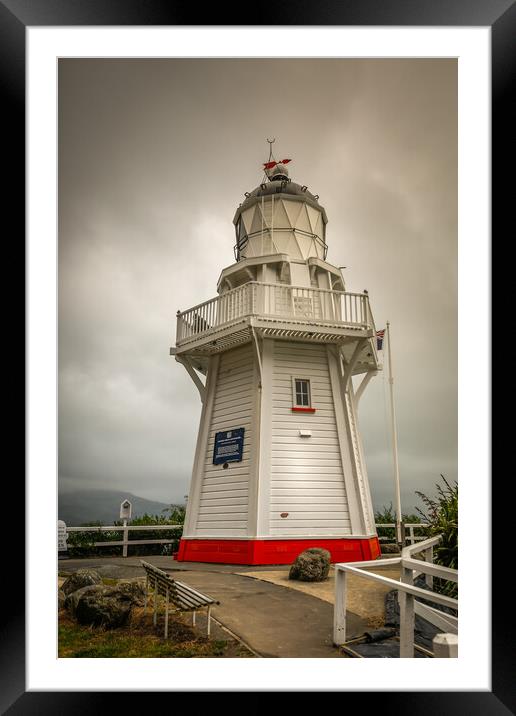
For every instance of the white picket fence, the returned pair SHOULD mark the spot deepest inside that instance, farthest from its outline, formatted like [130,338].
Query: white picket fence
[125,529]
[409,527]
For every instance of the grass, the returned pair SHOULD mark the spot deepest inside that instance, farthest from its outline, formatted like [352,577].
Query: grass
[140,639]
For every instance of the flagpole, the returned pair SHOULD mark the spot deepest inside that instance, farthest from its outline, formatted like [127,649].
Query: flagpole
[400,537]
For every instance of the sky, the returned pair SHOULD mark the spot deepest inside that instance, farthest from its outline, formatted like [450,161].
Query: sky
[154,158]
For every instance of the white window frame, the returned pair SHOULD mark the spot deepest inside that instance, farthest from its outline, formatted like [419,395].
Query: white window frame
[295,404]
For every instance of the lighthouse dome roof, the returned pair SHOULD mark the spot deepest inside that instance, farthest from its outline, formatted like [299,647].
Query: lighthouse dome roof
[287,188]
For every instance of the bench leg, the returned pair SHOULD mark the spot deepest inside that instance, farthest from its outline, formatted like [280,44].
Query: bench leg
[146,594]
[209,621]
[155,618]
[166,618]
[193,619]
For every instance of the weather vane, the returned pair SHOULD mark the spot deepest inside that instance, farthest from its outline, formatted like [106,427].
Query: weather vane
[271,162]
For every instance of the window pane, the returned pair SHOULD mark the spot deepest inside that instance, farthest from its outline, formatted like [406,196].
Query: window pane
[302,392]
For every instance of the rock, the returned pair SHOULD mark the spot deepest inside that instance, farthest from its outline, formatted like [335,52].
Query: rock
[390,548]
[81,578]
[61,597]
[134,589]
[104,606]
[312,565]
[72,600]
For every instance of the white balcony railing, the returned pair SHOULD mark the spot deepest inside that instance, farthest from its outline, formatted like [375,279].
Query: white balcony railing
[274,301]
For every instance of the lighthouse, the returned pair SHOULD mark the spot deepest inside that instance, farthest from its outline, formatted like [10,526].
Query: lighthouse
[280,357]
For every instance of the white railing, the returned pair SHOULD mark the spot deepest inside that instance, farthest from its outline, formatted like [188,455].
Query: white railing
[274,300]
[125,529]
[407,592]
[410,526]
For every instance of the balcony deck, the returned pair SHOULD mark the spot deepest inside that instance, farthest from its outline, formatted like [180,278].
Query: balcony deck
[275,310]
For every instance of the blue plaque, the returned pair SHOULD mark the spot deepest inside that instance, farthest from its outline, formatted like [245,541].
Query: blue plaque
[229,446]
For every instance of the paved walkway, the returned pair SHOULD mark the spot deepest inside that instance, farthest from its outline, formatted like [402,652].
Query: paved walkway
[274,620]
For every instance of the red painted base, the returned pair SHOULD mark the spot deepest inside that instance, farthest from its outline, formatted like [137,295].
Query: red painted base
[227,551]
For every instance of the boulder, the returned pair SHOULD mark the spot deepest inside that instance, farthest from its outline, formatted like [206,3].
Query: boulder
[72,600]
[134,589]
[389,548]
[312,565]
[61,597]
[104,606]
[81,578]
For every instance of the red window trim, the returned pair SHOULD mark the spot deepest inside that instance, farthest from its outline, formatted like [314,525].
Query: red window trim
[296,409]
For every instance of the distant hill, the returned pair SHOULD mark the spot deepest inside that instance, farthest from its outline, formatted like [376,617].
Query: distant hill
[81,506]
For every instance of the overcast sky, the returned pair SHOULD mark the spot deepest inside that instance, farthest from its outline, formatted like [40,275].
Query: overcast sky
[154,158]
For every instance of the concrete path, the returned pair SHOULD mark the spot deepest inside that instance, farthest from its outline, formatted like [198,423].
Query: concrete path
[365,598]
[273,620]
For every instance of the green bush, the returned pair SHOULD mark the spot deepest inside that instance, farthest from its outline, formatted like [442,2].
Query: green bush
[442,514]
[387,515]
[82,544]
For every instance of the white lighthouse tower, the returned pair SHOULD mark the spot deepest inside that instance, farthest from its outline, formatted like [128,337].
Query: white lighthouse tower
[279,464]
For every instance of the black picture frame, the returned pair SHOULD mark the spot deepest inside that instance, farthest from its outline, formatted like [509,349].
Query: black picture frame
[15,17]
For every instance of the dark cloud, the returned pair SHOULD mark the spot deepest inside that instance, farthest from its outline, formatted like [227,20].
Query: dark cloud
[154,158]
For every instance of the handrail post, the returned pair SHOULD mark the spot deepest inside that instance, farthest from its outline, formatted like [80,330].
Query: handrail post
[339,612]
[406,602]
[429,557]
[446,646]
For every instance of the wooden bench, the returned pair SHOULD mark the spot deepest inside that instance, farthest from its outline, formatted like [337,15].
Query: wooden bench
[182,596]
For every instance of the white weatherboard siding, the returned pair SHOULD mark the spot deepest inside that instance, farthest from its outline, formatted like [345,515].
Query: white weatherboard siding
[223,503]
[306,478]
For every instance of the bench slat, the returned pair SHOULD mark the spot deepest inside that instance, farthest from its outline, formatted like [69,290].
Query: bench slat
[193,598]
[199,594]
[189,600]
[181,594]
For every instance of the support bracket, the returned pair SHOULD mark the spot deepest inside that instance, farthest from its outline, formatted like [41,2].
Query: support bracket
[185,361]
[363,385]
[352,362]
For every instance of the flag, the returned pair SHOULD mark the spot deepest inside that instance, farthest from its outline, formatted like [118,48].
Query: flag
[379,339]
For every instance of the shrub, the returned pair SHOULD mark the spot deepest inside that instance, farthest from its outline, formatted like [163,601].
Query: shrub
[387,515]
[442,514]
[82,544]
